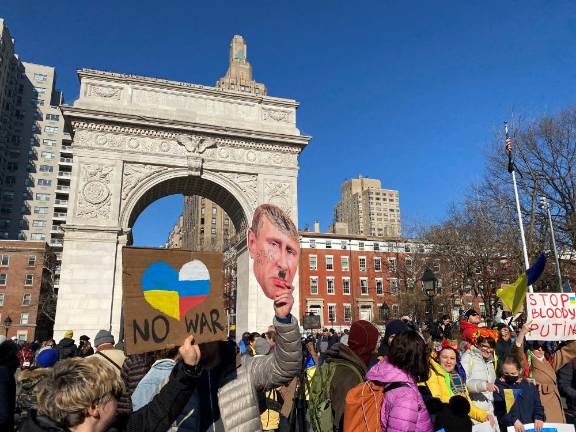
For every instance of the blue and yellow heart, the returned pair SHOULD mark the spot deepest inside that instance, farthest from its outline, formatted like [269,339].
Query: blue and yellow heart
[174,293]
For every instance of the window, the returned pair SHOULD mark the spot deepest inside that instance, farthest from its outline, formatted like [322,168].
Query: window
[377,264]
[49,142]
[31,260]
[213,231]
[313,262]
[2,297]
[40,77]
[29,280]
[330,285]
[376,246]
[421,249]
[47,155]
[408,263]
[348,313]
[331,313]
[329,262]
[40,90]
[53,117]
[43,197]
[436,266]
[313,285]
[394,286]
[344,244]
[361,246]
[3,277]
[395,310]
[407,248]
[38,223]
[328,244]
[12,166]
[477,270]
[8,196]
[344,263]
[24,318]
[392,264]
[214,211]
[362,263]
[379,287]
[482,309]
[346,286]
[312,243]
[10,180]
[50,129]
[27,299]
[5,260]
[364,286]
[37,236]
[410,283]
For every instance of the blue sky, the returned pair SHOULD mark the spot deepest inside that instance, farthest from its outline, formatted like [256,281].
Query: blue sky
[411,92]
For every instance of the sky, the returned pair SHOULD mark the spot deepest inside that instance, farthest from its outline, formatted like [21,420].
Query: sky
[410,92]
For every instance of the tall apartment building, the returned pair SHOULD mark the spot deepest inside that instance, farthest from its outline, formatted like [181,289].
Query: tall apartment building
[368,209]
[203,226]
[36,169]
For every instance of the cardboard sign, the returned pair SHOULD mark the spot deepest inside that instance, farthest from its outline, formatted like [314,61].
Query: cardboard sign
[311,322]
[553,316]
[169,294]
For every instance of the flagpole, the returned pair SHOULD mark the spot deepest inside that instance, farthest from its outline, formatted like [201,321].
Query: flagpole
[512,171]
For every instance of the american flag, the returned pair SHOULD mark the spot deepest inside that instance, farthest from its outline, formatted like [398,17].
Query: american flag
[508,140]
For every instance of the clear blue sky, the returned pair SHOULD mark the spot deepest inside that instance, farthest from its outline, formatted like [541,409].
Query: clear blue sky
[410,92]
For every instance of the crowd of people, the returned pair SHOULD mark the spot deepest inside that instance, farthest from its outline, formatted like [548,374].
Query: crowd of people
[446,378]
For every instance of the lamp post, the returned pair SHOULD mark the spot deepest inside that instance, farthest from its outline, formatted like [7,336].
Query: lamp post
[430,284]
[545,205]
[7,325]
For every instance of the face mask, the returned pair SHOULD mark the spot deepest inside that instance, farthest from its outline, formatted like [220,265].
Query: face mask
[510,379]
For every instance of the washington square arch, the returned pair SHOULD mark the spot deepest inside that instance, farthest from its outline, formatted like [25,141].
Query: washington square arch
[137,139]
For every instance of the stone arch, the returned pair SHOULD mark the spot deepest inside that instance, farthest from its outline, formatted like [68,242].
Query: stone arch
[168,181]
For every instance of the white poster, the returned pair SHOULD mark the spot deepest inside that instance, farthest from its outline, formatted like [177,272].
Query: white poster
[553,316]
[548,427]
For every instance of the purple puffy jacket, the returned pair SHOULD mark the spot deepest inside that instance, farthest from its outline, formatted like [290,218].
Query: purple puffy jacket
[403,409]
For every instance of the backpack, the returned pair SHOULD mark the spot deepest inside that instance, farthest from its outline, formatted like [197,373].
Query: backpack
[320,405]
[364,405]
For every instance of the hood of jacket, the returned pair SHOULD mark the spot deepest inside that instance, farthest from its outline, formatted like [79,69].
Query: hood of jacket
[66,343]
[28,378]
[163,364]
[477,355]
[385,372]
[339,351]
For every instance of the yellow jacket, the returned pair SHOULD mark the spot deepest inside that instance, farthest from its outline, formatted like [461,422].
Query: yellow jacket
[439,389]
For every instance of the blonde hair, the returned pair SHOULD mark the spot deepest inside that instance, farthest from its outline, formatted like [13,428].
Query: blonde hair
[276,216]
[74,385]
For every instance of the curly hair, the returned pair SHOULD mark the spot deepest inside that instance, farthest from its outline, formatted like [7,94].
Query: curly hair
[409,353]
[74,385]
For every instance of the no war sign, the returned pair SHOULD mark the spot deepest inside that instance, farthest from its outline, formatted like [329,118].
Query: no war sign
[553,316]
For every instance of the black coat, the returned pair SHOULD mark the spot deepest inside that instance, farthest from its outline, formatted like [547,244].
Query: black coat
[567,383]
[438,333]
[7,399]
[66,348]
[158,415]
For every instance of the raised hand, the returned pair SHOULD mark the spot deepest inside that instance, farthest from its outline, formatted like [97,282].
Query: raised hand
[190,352]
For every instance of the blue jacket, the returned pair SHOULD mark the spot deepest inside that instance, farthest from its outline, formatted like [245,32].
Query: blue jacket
[527,406]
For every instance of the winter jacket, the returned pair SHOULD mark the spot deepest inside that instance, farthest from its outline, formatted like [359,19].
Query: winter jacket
[438,332]
[158,415]
[134,368]
[7,399]
[67,348]
[502,349]
[344,379]
[116,357]
[440,389]
[26,384]
[526,406]
[479,373]
[544,372]
[403,409]
[567,384]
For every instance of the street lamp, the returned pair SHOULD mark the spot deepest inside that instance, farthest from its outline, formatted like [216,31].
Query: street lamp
[7,325]
[545,205]
[430,284]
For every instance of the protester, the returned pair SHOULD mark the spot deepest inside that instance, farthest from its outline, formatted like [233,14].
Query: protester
[447,380]
[469,324]
[243,344]
[66,347]
[393,327]
[479,365]
[269,400]
[344,337]
[82,394]
[503,346]
[332,338]
[84,348]
[104,343]
[8,364]
[403,408]
[25,356]
[517,401]
[454,416]
[567,387]
[347,366]
[441,329]
[135,367]
[542,364]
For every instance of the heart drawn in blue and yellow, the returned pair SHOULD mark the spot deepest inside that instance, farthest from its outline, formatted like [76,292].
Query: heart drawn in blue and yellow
[174,293]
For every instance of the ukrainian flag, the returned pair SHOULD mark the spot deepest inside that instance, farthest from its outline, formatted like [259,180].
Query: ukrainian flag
[513,295]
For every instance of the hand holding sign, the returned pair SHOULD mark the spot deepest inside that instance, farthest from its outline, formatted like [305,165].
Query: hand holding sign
[284,299]
[190,352]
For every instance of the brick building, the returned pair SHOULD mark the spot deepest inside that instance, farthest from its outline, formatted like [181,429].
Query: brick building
[344,278]
[26,288]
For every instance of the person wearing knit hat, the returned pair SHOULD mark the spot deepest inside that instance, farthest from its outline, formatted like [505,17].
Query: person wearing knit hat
[351,365]
[262,347]
[393,327]
[104,343]
[47,358]
[66,347]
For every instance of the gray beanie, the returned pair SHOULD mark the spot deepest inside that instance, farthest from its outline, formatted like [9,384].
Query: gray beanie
[262,347]
[102,337]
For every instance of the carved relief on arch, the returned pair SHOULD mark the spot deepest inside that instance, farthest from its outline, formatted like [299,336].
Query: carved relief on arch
[134,173]
[248,184]
[280,194]
[94,195]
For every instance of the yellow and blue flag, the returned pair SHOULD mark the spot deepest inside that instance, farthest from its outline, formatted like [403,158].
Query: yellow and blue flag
[513,294]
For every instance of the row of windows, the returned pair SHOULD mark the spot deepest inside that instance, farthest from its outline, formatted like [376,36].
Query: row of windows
[5,260]
[364,290]
[362,263]
[347,312]
[28,279]
[26,299]
[345,244]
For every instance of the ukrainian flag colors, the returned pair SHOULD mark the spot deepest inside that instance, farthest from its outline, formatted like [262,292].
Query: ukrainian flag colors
[513,295]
